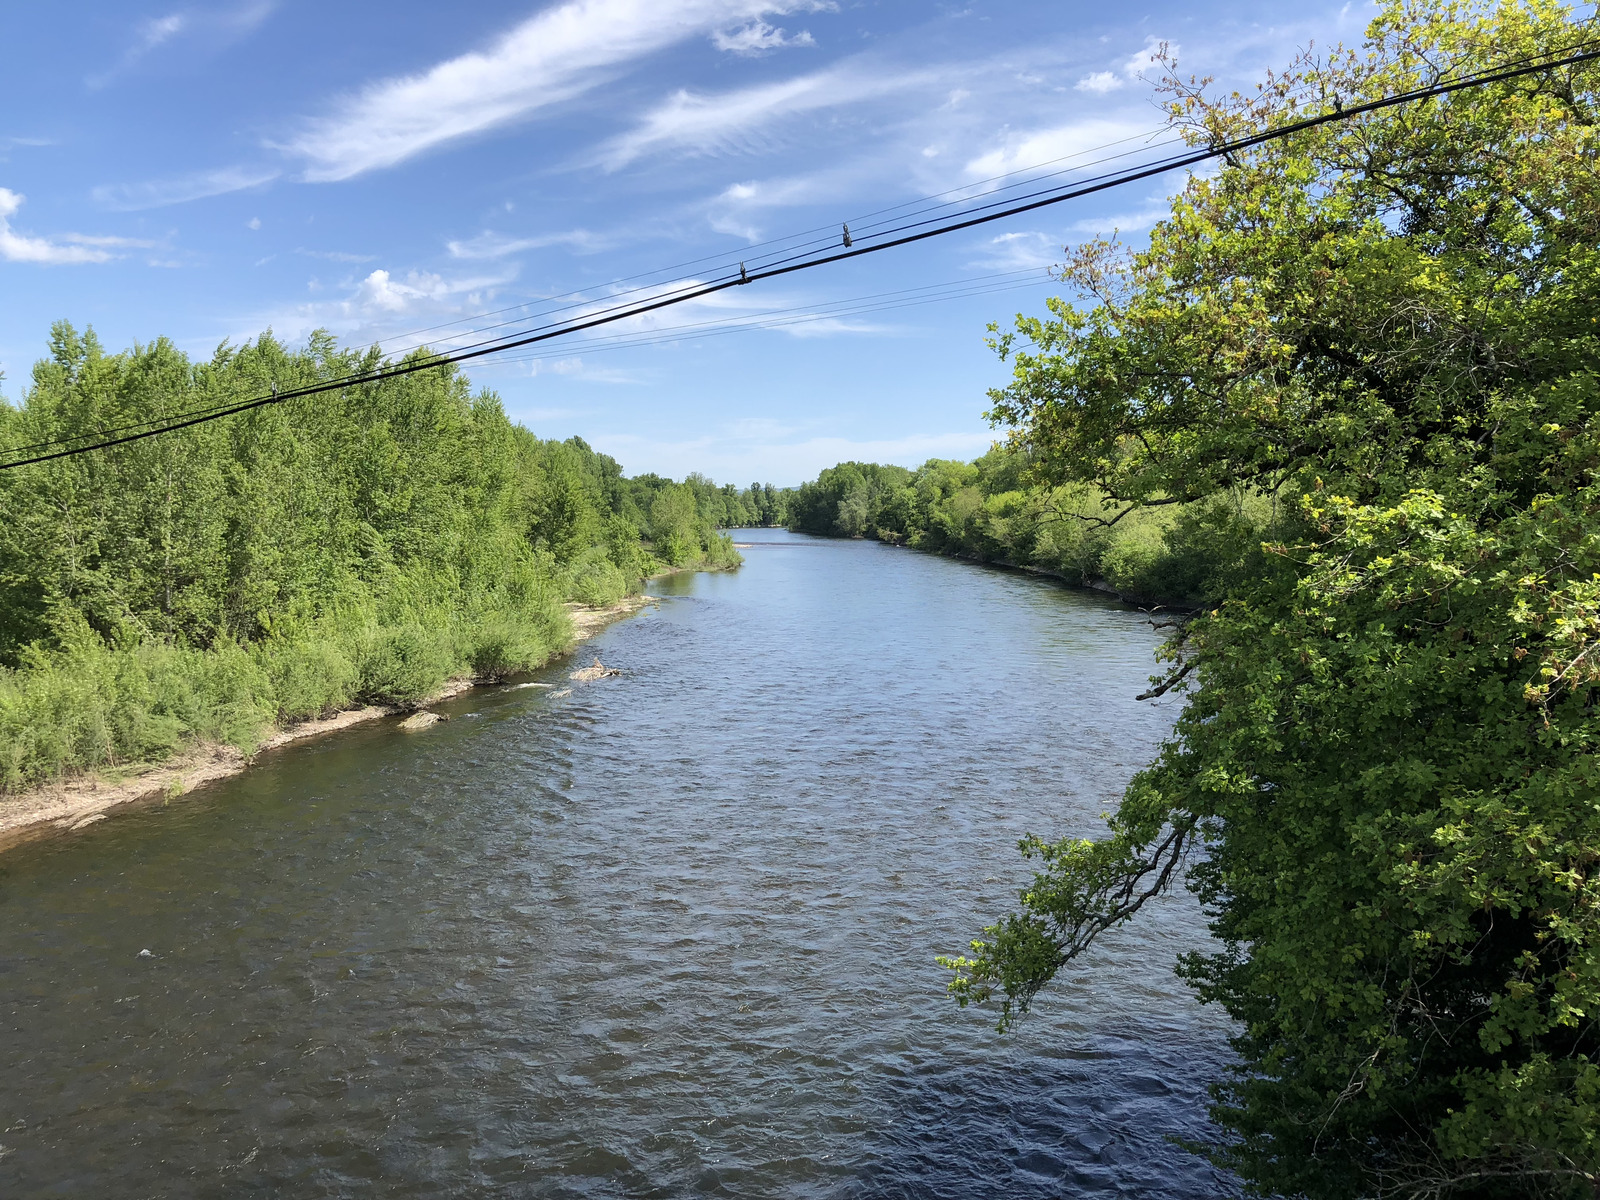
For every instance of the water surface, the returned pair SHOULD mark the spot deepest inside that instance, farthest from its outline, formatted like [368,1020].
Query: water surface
[670,934]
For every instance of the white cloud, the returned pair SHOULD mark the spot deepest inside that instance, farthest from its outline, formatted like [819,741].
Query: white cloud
[555,55]
[380,292]
[773,193]
[219,26]
[1099,83]
[382,306]
[158,193]
[1140,61]
[1061,143]
[758,38]
[68,248]
[1020,250]
[732,119]
[496,245]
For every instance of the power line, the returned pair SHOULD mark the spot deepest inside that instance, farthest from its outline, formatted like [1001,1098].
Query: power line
[964,192]
[863,222]
[783,318]
[902,235]
[770,319]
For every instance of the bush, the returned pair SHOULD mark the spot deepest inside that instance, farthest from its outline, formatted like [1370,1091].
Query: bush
[311,678]
[503,645]
[404,664]
[597,581]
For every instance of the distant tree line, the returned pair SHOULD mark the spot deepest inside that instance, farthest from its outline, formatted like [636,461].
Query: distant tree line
[725,507]
[994,510]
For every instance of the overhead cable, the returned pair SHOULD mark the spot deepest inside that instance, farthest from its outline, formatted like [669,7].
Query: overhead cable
[906,233]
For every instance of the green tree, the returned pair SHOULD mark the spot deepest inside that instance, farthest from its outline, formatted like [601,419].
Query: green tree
[674,515]
[566,503]
[287,561]
[1383,786]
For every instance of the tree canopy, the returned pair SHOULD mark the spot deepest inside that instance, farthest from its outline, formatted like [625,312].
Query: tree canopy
[364,545]
[1383,785]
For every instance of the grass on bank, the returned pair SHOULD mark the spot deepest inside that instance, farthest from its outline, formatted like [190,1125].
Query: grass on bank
[87,704]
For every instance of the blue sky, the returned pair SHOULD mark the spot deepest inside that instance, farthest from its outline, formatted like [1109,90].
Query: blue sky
[207,171]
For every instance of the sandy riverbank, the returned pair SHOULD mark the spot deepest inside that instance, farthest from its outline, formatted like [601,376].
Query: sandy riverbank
[70,804]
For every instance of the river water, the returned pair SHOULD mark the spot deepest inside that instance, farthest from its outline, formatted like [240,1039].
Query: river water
[670,934]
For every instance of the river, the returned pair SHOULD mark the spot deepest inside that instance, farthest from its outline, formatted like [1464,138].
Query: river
[670,934]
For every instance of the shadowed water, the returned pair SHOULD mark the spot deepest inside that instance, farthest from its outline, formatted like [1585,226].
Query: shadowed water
[671,934]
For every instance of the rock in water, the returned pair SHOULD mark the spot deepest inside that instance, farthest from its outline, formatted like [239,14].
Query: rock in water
[598,671]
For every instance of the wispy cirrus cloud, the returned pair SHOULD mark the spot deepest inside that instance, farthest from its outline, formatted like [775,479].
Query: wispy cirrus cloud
[1020,250]
[498,245]
[338,256]
[733,120]
[1064,142]
[576,368]
[63,249]
[219,26]
[159,193]
[1156,208]
[552,57]
[744,209]
[151,32]
[758,38]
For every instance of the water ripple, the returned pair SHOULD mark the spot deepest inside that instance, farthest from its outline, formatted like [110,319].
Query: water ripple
[670,934]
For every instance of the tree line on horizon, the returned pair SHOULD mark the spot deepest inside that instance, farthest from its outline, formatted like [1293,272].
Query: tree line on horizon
[994,509]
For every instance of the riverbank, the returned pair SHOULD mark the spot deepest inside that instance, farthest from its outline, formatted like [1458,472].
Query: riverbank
[68,805]
[1186,606]
[397,937]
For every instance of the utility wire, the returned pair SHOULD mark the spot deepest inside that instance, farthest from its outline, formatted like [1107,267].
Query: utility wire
[789,246]
[887,239]
[862,221]
[865,221]
[964,193]
[783,318]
